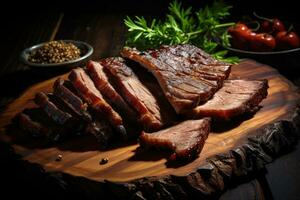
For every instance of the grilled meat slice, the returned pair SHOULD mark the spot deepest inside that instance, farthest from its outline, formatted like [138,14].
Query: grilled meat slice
[61,89]
[63,117]
[186,139]
[37,122]
[139,94]
[101,130]
[185,73]
[51,109]
[47,121]
[87,90]
[26,123]
[234,98]
[94,126]
[101,81]
[192,61]
[198,59]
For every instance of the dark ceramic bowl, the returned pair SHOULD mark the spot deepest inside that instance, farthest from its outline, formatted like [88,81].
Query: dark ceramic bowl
[284,60]
[288,60]
[86,52]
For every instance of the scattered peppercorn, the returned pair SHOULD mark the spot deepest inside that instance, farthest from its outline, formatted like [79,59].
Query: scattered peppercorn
[58,158]
[55,52]
[103,161]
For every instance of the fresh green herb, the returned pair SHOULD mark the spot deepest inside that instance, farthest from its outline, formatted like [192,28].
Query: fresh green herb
[203,28]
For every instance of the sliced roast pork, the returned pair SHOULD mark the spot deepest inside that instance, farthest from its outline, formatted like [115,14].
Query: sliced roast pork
[186,139]
[145,99]
[58,115]
[35,128]
[94,125]
[187,75]
[38,123]
[101,81]
[91,94]
[63,90]
[234,98]
[101,130]
[63,117]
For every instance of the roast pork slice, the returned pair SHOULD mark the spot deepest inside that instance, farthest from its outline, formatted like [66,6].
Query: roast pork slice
[64,90]
[101,80]
[235,98]
[38,123]
[87,90]
[185,139]
[59,112]
[141,92]
[93,125]
[102,131]
[55,113]
[187,75]
[34,128]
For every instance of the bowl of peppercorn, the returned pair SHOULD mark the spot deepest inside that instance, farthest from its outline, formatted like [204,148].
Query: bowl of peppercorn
[67,53]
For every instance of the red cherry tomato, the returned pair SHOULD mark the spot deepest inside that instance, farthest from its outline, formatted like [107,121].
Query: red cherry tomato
[265,26]
[287,40]
[272,26]
[263,42]
[239,36]
[277,26]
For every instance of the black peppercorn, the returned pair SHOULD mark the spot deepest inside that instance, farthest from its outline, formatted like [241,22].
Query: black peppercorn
[58,158]
[103,161]
[55,52]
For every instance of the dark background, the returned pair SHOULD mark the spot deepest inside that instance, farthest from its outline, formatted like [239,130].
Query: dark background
[25,23]
[100,23]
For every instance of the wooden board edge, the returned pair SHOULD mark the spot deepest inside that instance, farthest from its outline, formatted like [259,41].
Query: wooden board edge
[208,180]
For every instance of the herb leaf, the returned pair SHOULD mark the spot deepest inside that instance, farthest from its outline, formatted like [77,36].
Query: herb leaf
[203,28]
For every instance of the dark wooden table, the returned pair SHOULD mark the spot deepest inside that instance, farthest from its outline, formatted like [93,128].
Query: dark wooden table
[101,25]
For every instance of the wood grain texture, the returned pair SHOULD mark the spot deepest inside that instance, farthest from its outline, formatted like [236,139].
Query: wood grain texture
[227,153]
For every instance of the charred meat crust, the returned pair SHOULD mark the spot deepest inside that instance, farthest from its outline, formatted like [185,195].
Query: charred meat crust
[51,109]
[61,89]
[87,90]
[35,128]
[94,126]
[101,80]
[37,122]
[186,74]
[135,93]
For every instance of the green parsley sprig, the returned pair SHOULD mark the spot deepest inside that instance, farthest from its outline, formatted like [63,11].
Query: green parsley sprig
[203,28]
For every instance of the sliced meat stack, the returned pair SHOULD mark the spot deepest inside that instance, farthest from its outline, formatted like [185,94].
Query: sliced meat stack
[49,120]
[87,90]
[93,124]
[101,81]
[186,139]
[138,95]
[114,98]
[28,124]
[51,109]
[66,92]
[59,114]
[186,74]
[233,99]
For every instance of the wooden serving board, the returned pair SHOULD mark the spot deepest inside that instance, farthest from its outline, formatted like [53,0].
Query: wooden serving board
[81,156]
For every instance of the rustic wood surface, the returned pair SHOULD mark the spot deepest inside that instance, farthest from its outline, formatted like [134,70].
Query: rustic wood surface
[26,28]
[81,156]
